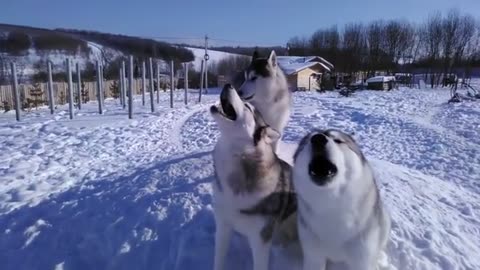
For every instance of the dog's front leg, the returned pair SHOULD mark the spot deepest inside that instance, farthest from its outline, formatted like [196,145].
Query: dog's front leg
[260,252]
[223,233]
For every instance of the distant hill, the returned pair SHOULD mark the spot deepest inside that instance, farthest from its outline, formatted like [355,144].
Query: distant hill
[31,47]
[139,47]
[15,39]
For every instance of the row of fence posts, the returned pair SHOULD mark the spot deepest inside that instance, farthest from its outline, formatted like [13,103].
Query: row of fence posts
[124,92]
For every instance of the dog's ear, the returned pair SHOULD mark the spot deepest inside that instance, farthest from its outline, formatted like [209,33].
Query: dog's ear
[272,59]
[255,55]
[267,134]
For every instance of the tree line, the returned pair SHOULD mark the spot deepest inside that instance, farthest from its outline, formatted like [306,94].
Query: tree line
[442,44]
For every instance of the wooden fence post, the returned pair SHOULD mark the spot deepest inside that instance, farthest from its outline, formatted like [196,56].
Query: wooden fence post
[152,101]
[185,82]
[158,82]
[51,99]
[201,82]
[79,87]
[99,88]
[130,88]
[124,83]
[144,85]
[120,86]
[102,86]
[16,95]
[171,83]
[70,87]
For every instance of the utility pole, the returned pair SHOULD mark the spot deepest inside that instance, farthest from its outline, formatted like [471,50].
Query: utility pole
[206,57]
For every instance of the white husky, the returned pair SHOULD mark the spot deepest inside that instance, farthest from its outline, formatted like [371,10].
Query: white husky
[342,223]
[252,193]
[266,88]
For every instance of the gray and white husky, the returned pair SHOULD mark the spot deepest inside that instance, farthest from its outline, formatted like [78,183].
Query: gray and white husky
[265,86]
[342,222]
[252,193]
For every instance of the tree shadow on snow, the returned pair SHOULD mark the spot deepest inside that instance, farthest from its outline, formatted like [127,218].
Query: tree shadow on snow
[155,218]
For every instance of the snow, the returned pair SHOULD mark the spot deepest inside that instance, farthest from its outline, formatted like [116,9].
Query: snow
[296,67]
[294,64]
[106,192]
[285,60]
[380,79]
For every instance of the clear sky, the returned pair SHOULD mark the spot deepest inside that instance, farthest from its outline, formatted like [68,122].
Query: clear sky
[249,22]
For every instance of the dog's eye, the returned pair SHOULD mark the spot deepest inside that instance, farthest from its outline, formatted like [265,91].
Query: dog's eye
[253,79]
[338,141]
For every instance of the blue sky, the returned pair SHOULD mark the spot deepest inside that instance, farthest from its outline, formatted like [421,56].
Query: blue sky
[247,22]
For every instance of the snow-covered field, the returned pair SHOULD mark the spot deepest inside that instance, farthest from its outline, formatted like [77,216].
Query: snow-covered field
[105,192]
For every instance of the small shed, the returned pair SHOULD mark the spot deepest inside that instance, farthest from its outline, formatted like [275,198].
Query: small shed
[304,73]
[381,83]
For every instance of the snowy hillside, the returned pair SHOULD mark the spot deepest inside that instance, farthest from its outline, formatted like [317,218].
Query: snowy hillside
[105,192]
[27,62]
[214,56]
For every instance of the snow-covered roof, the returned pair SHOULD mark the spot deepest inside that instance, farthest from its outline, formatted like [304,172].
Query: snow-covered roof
[381,79]
[294,64]
[297,67]
[304,59]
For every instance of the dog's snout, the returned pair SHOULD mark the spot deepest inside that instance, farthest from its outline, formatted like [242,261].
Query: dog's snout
[318,140]
[227,86]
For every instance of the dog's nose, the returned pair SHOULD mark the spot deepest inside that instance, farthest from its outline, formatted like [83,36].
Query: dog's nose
[318,140]
[240,92]
[227,86]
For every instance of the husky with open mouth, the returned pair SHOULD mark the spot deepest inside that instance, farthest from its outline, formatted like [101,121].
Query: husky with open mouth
[342,222]
[252,193]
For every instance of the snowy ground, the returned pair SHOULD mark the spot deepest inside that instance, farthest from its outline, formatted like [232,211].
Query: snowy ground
[105,192]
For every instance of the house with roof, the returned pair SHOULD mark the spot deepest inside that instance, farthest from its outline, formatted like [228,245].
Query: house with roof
[304,72]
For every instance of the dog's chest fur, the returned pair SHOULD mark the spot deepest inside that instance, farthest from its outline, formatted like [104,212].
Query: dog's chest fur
[244,174]
[248,188]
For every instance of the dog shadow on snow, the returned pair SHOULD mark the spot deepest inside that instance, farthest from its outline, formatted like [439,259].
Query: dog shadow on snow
[156,218]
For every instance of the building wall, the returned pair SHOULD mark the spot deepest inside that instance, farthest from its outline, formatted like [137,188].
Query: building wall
[303,79]
[292,81]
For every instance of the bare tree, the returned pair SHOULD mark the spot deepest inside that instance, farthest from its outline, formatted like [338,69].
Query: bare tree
[354,48]
[377,46]
[451,31]
[230,65]
[299,46]
[408,43]
[432,36]
[326,42]
[466,39]
[472,53]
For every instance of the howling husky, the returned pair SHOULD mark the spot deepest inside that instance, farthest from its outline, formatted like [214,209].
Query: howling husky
[252,193]
[265,86]
[342,223]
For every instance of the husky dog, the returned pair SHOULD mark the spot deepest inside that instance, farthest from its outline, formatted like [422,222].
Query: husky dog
[342,222]
[265,87]
[252,193]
